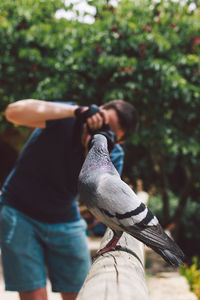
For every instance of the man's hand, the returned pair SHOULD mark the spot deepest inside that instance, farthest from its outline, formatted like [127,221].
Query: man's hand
[96,121]
[93,116]
[92,119]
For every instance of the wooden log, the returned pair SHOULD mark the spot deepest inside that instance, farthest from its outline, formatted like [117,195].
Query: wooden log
[117,275]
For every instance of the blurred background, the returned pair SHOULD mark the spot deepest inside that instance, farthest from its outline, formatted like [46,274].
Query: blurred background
[145,52]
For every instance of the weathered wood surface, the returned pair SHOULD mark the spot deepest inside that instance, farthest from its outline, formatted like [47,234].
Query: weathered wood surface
[117,275]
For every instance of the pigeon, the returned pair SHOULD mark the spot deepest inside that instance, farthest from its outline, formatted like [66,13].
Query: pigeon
[115,204]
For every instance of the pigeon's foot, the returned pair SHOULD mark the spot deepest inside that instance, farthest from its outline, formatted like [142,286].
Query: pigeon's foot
[105,250]
[110,246]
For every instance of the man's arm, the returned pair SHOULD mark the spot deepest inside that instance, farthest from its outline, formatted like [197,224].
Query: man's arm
[35,113]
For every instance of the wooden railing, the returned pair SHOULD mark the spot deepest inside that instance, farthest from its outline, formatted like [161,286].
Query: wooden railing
[117,275]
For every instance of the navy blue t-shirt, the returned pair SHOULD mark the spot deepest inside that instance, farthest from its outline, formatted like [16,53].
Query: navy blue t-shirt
[43,182]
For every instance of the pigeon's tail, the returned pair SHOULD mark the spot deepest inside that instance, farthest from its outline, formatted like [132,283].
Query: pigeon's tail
[171,258]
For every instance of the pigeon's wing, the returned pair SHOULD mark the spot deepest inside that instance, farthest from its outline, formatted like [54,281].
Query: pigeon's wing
[121,206]
[116,204]
[107,200]
[118,201]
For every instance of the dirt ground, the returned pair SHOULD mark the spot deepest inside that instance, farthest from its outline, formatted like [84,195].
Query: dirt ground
[165,282]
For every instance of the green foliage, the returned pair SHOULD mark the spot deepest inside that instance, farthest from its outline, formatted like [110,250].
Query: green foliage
[189,237]
[191,221]
[30,37]
[155,203]
[142,51]
[192,274]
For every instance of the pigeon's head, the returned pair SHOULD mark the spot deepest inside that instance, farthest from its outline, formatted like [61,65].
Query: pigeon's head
[104,140]
[100,139]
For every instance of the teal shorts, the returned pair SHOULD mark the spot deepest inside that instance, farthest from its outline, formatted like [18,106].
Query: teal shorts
[32,250]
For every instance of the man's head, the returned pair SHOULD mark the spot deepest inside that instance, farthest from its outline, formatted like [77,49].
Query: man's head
[123,119]
[121,116]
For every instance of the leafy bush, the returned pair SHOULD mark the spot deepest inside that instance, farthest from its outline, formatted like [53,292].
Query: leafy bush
[192,274]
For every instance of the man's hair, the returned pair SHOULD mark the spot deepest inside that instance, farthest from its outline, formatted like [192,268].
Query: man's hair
[126,112]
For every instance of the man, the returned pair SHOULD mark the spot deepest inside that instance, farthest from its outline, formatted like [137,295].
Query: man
[40,226]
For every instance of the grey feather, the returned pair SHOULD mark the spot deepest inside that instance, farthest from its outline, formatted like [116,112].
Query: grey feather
[113,202]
